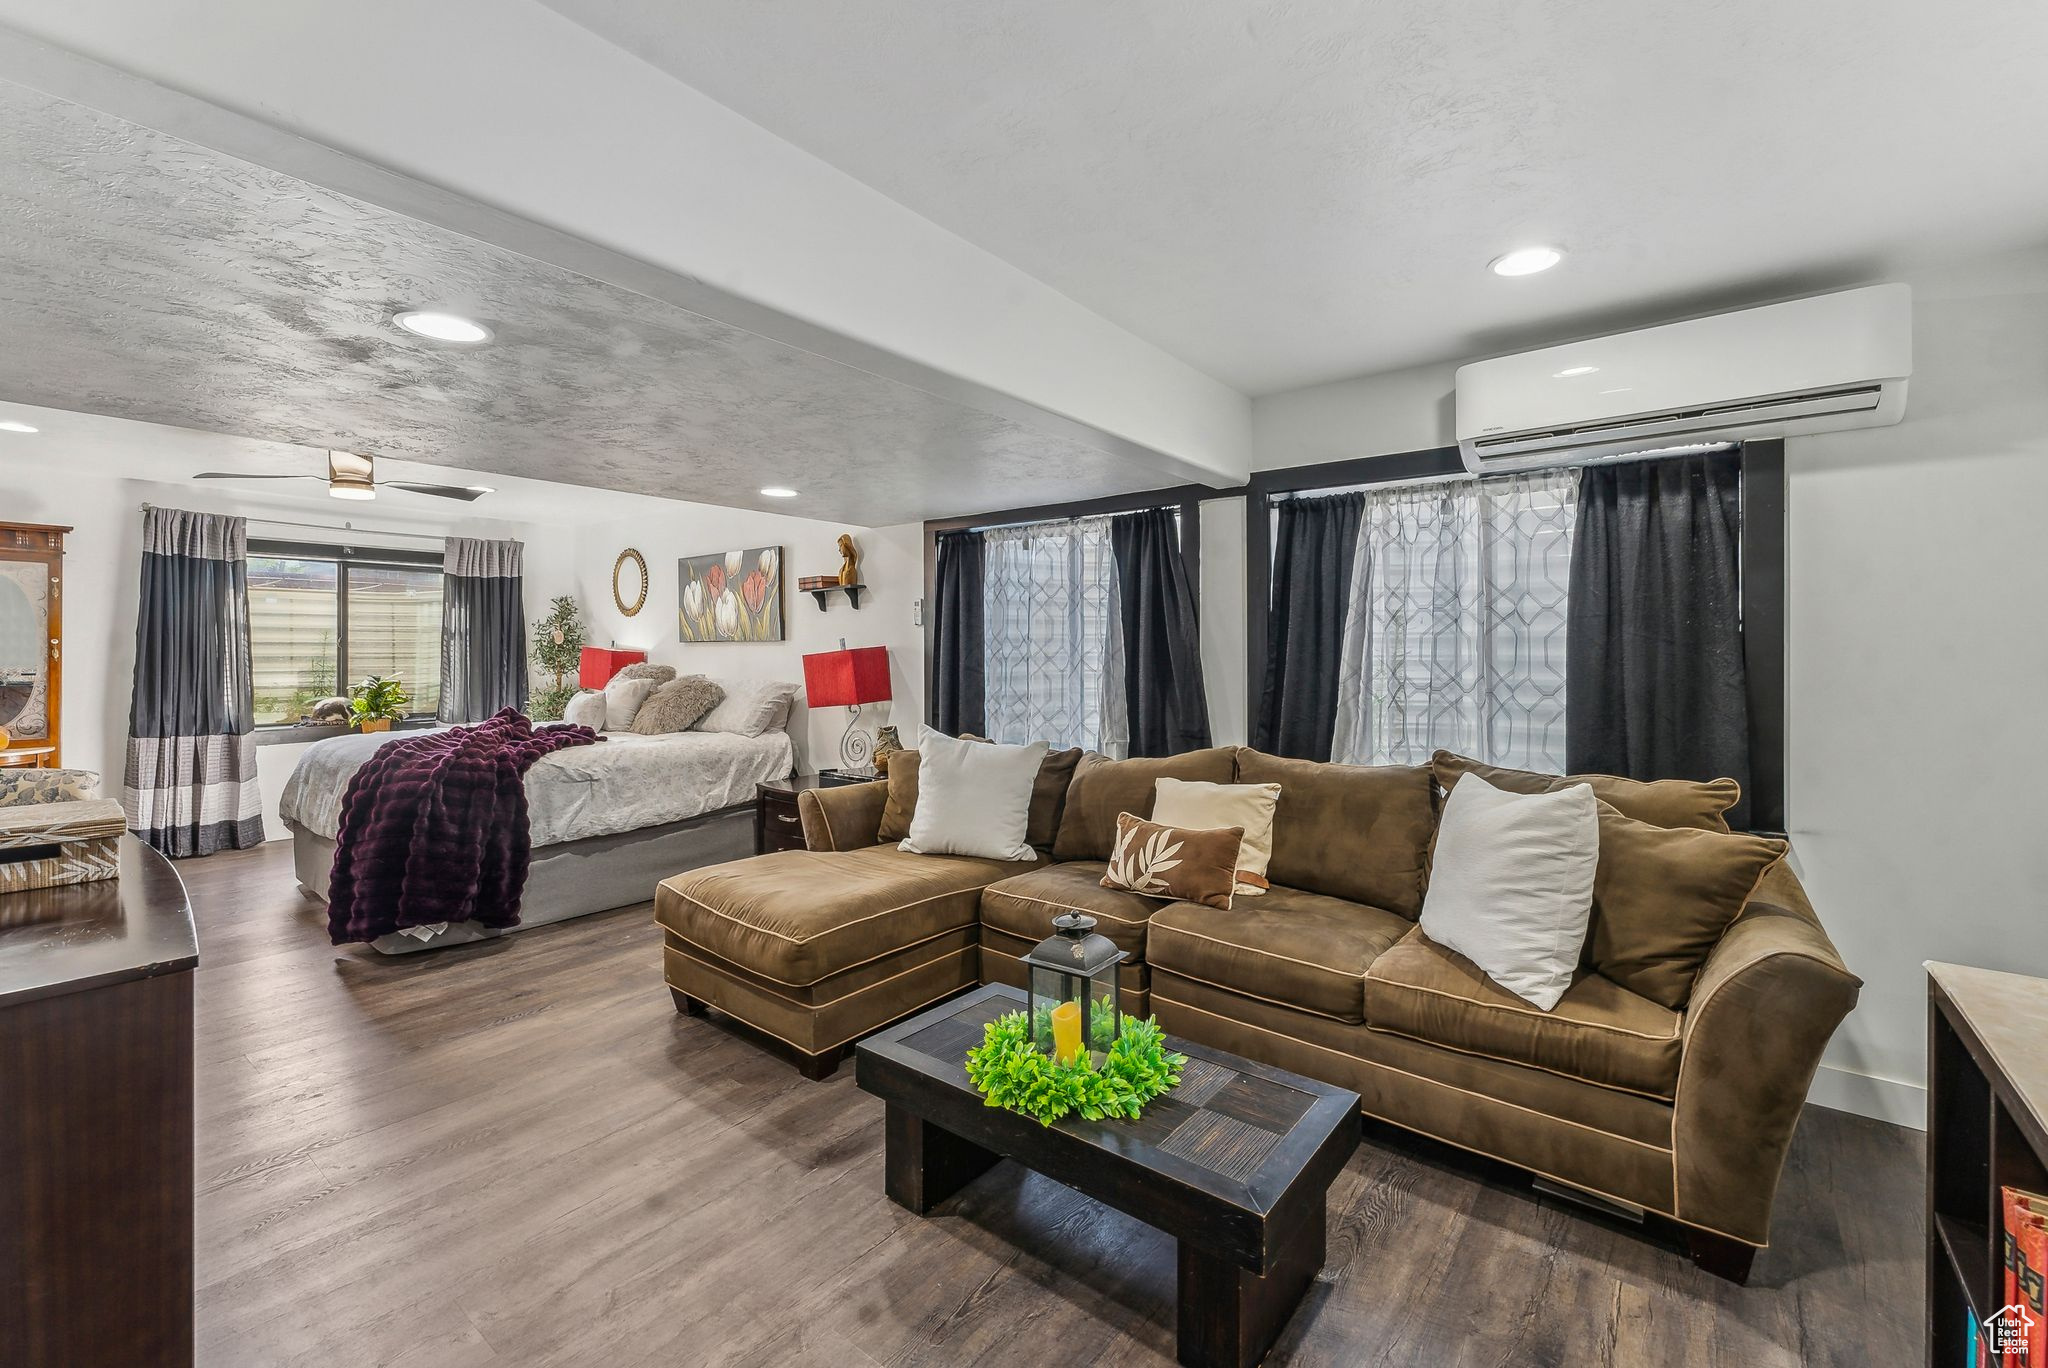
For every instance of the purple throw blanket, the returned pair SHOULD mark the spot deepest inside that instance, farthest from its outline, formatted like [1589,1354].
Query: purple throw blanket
[433,829]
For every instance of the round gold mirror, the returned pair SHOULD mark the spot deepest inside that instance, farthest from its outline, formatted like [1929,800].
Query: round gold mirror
[629,570]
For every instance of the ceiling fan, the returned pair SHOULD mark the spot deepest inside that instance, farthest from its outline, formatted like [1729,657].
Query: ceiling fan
[350,476]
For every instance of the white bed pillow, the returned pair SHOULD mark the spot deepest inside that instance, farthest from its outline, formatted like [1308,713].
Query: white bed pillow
[622,700]
[586,709]
[1197,805]
[750,707]
[973,798]
[1511,884]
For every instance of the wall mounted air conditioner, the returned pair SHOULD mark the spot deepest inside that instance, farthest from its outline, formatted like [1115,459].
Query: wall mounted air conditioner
[1808,365]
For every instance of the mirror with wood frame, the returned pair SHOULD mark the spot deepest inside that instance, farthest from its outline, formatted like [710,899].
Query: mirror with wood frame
[629,571]
[31,643]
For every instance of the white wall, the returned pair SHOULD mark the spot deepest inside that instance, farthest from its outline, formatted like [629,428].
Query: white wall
[892,566]
[1916,651]
[1223,621]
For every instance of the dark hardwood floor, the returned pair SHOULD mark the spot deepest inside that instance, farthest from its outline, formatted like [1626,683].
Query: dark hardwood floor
[518,1152]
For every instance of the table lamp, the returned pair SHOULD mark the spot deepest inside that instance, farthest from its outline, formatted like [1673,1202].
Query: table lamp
[849,679]
[596,665]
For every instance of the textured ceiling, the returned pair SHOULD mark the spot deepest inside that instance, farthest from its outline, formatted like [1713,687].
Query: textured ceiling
[1294,190]
[153,279]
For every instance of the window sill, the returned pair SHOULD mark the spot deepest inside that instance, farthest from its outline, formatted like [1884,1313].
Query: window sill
[293,735]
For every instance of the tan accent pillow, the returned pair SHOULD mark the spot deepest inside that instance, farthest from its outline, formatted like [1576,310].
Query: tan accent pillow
[1197,805]
[1048,795]
[647,669]
[676,706]
[1664,896]
[1660,802]
[1174,863]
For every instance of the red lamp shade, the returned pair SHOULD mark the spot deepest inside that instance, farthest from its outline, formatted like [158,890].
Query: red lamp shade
[597,665]
[847,678]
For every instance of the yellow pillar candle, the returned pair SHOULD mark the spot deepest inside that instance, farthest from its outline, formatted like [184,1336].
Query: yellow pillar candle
[1066,1031]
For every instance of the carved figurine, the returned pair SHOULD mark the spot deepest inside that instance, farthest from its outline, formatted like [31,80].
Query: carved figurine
[849,566]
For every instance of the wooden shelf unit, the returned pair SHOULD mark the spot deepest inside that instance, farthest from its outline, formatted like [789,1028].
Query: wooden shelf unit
[1987,1095]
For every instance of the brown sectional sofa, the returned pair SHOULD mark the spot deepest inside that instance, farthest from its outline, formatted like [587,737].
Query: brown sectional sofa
[1686,1114]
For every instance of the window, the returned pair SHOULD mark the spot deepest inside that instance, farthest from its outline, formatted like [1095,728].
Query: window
[1054,638]
[321,618]
[1454,635]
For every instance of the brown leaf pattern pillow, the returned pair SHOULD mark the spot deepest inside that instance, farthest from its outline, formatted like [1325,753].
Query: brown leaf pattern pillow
[1172,863]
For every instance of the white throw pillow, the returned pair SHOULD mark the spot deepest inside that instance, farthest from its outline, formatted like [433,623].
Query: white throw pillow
[973,798]
[586,710]
[622,700]
[1197,805]
[750,707]
[1511,884]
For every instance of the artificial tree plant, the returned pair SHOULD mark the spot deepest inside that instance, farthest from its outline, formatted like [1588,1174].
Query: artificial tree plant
[557,648]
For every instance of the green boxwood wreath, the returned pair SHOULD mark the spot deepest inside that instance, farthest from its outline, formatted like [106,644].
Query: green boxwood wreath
[1009,1071]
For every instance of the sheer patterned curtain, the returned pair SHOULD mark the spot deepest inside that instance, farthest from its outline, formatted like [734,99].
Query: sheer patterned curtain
[1054,637]
[1454,634]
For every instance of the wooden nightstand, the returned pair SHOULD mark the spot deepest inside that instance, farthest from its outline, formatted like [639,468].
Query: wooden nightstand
[777,824]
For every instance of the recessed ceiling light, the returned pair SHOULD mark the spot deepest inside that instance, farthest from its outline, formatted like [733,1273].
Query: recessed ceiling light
[1569,371]
[11,426]
[778,492]
[441,327]
[1525,261]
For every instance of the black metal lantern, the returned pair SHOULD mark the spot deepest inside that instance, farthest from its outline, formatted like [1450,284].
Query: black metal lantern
[1073,995]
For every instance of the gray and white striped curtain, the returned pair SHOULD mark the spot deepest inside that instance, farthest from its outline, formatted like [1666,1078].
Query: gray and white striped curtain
[483,629]
[190,786]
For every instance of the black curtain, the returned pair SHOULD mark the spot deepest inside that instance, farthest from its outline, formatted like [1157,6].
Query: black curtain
[483,629]
[959,701]
[190,786]
[1656,685]
[1167,708]
[1313,549]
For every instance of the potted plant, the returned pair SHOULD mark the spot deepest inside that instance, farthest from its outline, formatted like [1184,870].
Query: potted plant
[557,645]
[377,702]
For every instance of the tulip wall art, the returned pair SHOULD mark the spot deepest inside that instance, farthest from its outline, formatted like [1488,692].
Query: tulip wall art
[732,596]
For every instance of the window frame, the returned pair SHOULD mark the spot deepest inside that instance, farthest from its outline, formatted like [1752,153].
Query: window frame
[1762,575]
[1187,500]
[275,733]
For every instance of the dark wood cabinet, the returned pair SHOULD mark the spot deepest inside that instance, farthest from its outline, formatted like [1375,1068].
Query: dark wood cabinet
[777,823]
[96,1120]
[1987,1128]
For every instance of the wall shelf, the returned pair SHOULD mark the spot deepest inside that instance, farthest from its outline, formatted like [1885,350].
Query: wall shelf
[852,592]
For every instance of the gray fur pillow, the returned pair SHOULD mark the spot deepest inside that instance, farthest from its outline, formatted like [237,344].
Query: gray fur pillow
[676,706]
[660,674]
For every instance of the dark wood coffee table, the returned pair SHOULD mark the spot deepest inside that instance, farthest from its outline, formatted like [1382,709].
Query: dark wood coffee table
[1235,1164]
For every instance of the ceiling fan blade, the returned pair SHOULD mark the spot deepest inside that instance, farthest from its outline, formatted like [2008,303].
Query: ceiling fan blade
[245,475]
[439,491]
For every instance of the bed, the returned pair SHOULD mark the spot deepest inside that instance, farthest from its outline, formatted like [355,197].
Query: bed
[607,822]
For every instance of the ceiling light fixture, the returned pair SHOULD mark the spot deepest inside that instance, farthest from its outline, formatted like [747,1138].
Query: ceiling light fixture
[441,327]
[778,492]
[1525,261]
[350,489]
[11,426]
[1569,371]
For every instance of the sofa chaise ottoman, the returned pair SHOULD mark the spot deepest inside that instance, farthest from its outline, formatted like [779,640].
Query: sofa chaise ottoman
[1685,1112]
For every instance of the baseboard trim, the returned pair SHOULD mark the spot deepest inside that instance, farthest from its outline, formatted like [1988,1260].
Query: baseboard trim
[1881,1099]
